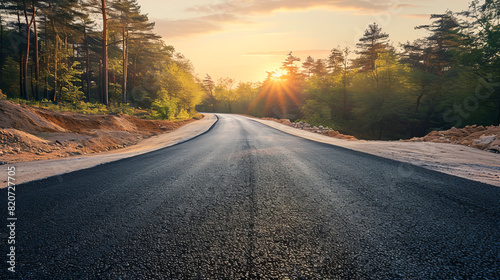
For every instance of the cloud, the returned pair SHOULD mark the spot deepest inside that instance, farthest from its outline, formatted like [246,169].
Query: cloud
[215,16]
[200,25]
[426,16]
[184,27]
[249,7]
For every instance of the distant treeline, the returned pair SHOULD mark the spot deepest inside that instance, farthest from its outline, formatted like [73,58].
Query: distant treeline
[77,51]
[449,78]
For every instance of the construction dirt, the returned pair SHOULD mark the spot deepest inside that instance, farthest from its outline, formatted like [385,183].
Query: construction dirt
[28,133]
[479,137]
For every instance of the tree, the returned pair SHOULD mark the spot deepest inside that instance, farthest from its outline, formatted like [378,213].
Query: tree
[224,90]
[432,58]
[319,68]
[61,35]
[61,17]
[382,105]
[131,23]
[181,89]
[289,66]
[335,61]
[345,80]
[373,43]
[104,53]
[482,53]
[36,58]
[282,97]
[209,86]
[71,92]
[29,22]
[2,59]
[87,25]
[441,43]
[308,66]
[247,92]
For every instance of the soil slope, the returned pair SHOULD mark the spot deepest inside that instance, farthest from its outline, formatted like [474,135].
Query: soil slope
[28,133]
[479,137]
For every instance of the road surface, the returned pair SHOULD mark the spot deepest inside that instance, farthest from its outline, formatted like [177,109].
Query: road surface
[245,201]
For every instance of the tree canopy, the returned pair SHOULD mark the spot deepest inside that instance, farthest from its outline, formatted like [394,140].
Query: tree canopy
[75,51]
[450,77]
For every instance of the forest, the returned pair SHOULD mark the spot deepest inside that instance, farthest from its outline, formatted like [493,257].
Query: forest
[97,55]
[92,55]
[449,78]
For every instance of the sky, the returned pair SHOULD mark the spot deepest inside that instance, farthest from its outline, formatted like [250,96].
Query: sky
[242,39]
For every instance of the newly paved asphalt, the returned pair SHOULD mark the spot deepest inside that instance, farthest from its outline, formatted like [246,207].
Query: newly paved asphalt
[245,201]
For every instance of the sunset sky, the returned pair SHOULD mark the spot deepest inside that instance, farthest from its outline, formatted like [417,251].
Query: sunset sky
[242,39]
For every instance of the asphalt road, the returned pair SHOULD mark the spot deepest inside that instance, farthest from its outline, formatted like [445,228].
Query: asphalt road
[245,201]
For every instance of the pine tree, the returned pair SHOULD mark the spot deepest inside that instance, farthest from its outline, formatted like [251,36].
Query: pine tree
[373,42]
[308,66]
[439,46]
[319,68]
[335,60]
[209,86]
[289,66]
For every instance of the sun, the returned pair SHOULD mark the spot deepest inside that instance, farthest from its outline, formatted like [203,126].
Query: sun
[276,75]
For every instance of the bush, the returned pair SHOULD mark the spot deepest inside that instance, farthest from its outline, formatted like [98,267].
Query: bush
[164,109]
[183,114]
[316,113]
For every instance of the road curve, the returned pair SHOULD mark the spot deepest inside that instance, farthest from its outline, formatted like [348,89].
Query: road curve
[245,201]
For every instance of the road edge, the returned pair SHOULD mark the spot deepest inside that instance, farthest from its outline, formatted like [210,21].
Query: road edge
[30,171]
[438,162]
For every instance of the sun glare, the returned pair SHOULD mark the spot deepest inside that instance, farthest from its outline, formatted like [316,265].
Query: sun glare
[277,75]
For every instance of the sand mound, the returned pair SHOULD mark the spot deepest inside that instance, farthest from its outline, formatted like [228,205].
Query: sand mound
[28,133]
[480,137]
[24,118]
[16,141]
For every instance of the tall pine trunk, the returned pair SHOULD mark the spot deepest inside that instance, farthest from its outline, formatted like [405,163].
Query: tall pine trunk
[26,61]
[135,64]
[1,50]
[46,60]
[104,54]
[344,92]
[21,72]
[37,59]
[27,55]
[125,64]
[87,66]
[56,61]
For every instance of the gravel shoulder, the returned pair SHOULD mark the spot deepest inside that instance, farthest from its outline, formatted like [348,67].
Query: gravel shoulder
[457,160]
[35,170]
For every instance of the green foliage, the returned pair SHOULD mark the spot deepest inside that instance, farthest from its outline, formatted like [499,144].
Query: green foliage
[179,93]
[70,60]
[114,91]
[68,79]
[164,108]
[10,77]
[316,113]
[449,78]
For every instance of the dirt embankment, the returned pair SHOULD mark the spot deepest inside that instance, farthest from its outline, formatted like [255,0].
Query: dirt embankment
[480,137]
[28,133]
